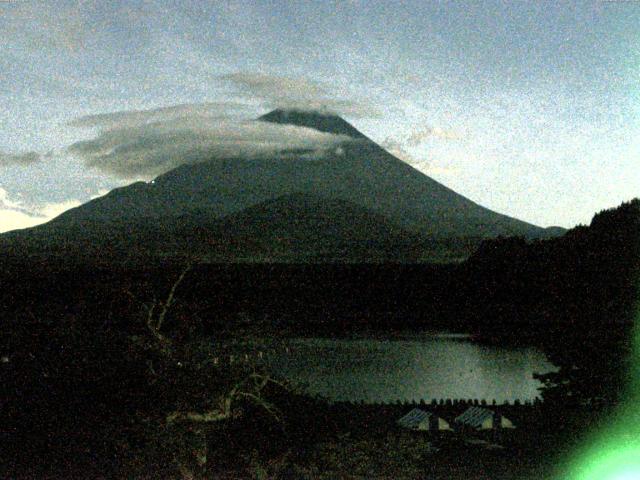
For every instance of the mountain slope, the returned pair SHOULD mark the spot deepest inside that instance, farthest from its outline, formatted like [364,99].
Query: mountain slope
[292,229]
[302,227]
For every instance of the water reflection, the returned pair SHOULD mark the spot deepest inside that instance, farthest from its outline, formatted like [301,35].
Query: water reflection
[422,368]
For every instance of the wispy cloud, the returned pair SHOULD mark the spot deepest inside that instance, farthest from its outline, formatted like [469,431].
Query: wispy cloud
[21,159]
[8,203]
[420,136]
[403,146]
[110,120]
[15,215]
[398,149]
[14,220]
[142,147]
[419,162]
[52,210]
[275,87]
[296,93]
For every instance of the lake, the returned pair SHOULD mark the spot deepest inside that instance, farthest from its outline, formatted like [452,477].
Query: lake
[421,367]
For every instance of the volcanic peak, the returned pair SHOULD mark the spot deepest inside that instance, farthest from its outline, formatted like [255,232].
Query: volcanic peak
[318,120]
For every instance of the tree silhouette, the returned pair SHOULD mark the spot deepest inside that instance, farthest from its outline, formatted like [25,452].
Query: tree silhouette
[591,342]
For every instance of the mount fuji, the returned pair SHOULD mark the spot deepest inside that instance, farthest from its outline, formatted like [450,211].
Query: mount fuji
[353,203]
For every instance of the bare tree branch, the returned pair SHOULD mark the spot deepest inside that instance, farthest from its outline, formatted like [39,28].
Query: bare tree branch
[170,298]
[225,410]
[205,417]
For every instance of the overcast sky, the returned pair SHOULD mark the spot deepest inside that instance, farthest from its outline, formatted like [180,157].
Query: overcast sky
[531,109]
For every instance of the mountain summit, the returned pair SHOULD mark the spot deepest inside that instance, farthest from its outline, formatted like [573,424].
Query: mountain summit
[324,122]
[383,194]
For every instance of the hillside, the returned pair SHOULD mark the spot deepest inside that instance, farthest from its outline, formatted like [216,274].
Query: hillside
[300,228]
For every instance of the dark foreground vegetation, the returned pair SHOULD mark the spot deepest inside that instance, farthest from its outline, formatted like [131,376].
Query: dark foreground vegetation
[109,371]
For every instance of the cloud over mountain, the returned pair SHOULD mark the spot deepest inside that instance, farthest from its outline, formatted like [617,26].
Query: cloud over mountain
[22,159]
[419,136]
[221,110]
[407,148]
[296,93]
[144,144]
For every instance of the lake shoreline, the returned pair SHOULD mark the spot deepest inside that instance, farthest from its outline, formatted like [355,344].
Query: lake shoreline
[404,367]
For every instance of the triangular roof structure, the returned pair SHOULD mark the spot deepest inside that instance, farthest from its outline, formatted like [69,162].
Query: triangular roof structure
[418,419]
[475,417]
[482,418]
[414,418]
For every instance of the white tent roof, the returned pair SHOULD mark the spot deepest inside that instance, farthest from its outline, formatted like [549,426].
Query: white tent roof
[414,418]
[474,416]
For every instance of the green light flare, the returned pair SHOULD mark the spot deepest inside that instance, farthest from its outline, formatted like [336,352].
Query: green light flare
[617,463]
[614,454]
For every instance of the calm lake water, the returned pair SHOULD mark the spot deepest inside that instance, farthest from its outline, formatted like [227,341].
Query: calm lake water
[431,366]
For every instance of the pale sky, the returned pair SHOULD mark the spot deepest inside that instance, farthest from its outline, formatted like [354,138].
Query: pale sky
[531,109]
